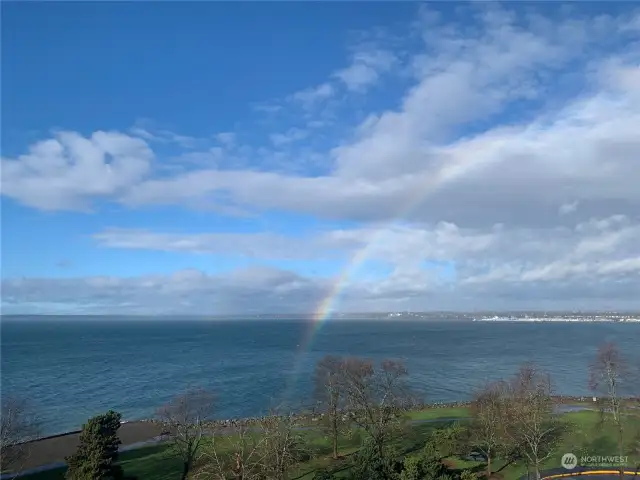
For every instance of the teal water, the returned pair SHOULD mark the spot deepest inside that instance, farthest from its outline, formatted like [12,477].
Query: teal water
[71,370]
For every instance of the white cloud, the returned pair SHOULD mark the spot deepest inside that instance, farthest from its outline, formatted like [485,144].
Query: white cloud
[406,162]
[567,208]
[309,97]
[514,155]
[593,264]
[292,135]
[165,136]
[226,138]
[191,291]
[365,69]
[262,245]
[467,181]
[486,262]
[68,171]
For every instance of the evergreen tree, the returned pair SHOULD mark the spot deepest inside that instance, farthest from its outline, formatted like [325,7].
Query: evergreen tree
[369,464]
[426,466]
[97,453]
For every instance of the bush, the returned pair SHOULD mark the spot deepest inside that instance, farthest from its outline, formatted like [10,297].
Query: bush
[423,467]
[468,475]
[369,464]
[97,453]
[426,466]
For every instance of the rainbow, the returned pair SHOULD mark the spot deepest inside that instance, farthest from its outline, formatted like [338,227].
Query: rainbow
[326,308]
[454,168]
[448,172]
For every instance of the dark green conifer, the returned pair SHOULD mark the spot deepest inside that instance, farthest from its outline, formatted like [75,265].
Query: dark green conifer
[97,452]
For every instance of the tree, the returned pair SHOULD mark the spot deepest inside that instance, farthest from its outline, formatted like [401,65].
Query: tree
[530,423]
[235,457]
[370,464]
[330,396]
[18,426]
[486,427]
[445,442]
[376,398]
[282,446]
[185,419]
[608,375]
[427,465]
[97,452]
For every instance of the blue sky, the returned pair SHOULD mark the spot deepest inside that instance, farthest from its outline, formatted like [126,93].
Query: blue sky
[164,156]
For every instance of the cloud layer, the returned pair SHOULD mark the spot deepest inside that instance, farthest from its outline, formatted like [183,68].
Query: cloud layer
[512,157]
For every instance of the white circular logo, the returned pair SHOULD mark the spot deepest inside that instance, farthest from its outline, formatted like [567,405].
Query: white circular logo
[569,461]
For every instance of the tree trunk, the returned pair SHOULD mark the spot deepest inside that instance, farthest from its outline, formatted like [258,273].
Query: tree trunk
[334,432]
[185,470]
[380,442]
[488,464]
[620,448]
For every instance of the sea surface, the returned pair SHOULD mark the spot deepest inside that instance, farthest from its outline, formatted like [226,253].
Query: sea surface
[73,369]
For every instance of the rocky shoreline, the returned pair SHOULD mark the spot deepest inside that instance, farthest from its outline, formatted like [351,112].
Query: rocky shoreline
[309,416]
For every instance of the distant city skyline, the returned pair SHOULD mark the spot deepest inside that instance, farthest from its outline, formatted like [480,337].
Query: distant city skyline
[248,158]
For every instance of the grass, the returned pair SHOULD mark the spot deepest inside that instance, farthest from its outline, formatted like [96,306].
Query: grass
[436,413]
[146,463]
[587,437]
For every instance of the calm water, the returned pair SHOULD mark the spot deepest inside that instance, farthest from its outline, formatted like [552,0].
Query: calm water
[72,370]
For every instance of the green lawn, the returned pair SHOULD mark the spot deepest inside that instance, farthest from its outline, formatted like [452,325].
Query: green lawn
[145,463]
[435,413]
[587,437]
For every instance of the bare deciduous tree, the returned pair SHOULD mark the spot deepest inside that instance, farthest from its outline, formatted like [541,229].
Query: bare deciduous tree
[18,426]
[376,398]
[486,429]
[234,457]
[608,376]
[530,423]
[330,395]
[281,447]
[185,418]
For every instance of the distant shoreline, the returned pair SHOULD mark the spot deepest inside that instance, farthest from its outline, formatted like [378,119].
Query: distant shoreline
[516,315]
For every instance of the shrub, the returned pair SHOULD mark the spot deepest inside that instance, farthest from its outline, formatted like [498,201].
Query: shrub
[370,464]
[468,475]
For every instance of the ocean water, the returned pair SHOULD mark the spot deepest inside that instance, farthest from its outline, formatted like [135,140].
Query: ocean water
[71,370]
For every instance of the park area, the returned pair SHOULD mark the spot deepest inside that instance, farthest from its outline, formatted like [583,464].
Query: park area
[587,434]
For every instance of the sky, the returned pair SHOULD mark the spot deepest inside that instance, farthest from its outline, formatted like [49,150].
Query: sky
[316,157]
